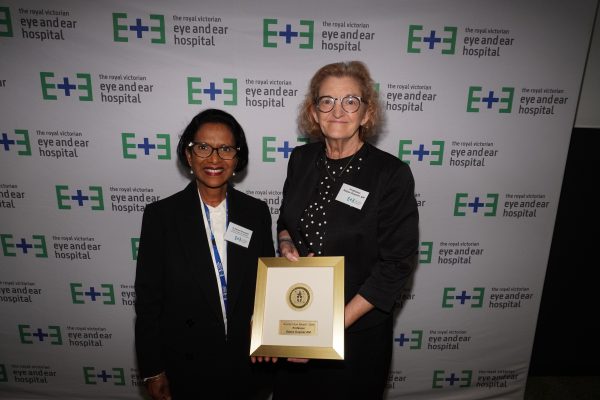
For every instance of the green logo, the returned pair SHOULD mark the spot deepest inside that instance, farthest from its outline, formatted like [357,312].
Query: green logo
[155,28]
[161,146]
[303,36]
[83,83]
[5,22]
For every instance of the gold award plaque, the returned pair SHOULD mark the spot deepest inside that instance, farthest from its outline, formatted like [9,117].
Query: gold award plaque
[299,308]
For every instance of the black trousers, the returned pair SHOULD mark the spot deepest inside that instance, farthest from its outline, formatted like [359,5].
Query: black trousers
[361,375]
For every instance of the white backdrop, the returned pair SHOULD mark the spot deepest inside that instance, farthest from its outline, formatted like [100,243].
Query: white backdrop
[480,99]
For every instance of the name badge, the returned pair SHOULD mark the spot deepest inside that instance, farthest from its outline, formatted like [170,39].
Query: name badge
[352,196]
[238,235]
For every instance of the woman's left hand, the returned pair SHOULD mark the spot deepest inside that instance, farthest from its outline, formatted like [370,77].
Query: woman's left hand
[260,359]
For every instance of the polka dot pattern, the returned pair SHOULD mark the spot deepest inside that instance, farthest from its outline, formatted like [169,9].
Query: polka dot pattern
[313,221]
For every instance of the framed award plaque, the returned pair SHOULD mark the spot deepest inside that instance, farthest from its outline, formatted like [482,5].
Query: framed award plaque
[299,308]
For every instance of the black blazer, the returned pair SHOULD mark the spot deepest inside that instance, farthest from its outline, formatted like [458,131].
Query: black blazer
[179,326]
[379,242]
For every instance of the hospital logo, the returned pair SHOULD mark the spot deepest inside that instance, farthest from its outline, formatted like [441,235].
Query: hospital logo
[217,91]
[159,147]
[473,298]
[94,376]
[6,29]
[79,86]
[151,28]
[412,340]
[49,335]
[17,142]
[440,41]
[67,198]
[444,379]
[135,244]
[432,153]
[80,295]
[273,149]
[425,252]
[35,246]
[495,100]
[480,205]
[300,34]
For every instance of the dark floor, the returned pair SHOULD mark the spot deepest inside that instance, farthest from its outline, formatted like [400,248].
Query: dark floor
[563,388]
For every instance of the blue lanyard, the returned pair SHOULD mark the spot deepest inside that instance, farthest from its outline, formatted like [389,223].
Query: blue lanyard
[216,251]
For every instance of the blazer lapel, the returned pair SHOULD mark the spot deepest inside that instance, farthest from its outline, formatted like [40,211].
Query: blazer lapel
[236,265]
[195,245]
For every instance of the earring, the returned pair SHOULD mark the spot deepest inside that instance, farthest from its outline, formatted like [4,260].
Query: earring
[191,171]
[234,174]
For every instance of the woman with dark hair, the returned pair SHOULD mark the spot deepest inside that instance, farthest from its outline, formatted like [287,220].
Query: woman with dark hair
[196,271]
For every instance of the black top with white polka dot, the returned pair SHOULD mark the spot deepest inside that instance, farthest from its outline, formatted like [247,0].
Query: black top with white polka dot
[313,221]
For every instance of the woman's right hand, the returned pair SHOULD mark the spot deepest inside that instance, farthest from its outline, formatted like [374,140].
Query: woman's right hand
[158,388]
[287,248]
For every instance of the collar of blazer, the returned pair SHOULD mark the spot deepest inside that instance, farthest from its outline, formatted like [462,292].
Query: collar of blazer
[196,247]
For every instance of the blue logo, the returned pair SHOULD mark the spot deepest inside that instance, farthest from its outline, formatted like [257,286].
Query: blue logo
[412,341]
[21,145]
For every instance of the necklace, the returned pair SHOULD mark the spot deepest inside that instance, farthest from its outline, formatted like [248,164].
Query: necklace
[343,169]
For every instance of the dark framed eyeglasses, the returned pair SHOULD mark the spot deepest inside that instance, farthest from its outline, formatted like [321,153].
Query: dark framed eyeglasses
[350,104]
[204,150]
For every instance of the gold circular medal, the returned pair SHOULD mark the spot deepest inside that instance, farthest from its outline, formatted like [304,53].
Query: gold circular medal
[299,296]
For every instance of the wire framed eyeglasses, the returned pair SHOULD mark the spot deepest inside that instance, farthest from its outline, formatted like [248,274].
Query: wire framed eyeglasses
[204,150]
[350,104]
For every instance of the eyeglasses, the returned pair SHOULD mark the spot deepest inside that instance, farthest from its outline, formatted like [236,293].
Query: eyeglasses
[204,150]
[350,104]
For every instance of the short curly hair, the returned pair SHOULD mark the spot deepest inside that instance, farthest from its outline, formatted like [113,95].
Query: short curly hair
[355,70]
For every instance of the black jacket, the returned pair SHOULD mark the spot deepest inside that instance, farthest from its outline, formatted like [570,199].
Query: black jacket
[179,325]
[379,241]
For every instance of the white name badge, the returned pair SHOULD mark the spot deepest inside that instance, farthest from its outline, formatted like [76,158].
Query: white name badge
[238,235]
[352,196]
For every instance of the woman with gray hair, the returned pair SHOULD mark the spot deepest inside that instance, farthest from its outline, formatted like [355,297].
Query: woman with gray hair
[344,197]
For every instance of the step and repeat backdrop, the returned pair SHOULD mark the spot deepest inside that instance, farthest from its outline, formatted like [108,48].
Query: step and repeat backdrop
[480,99]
